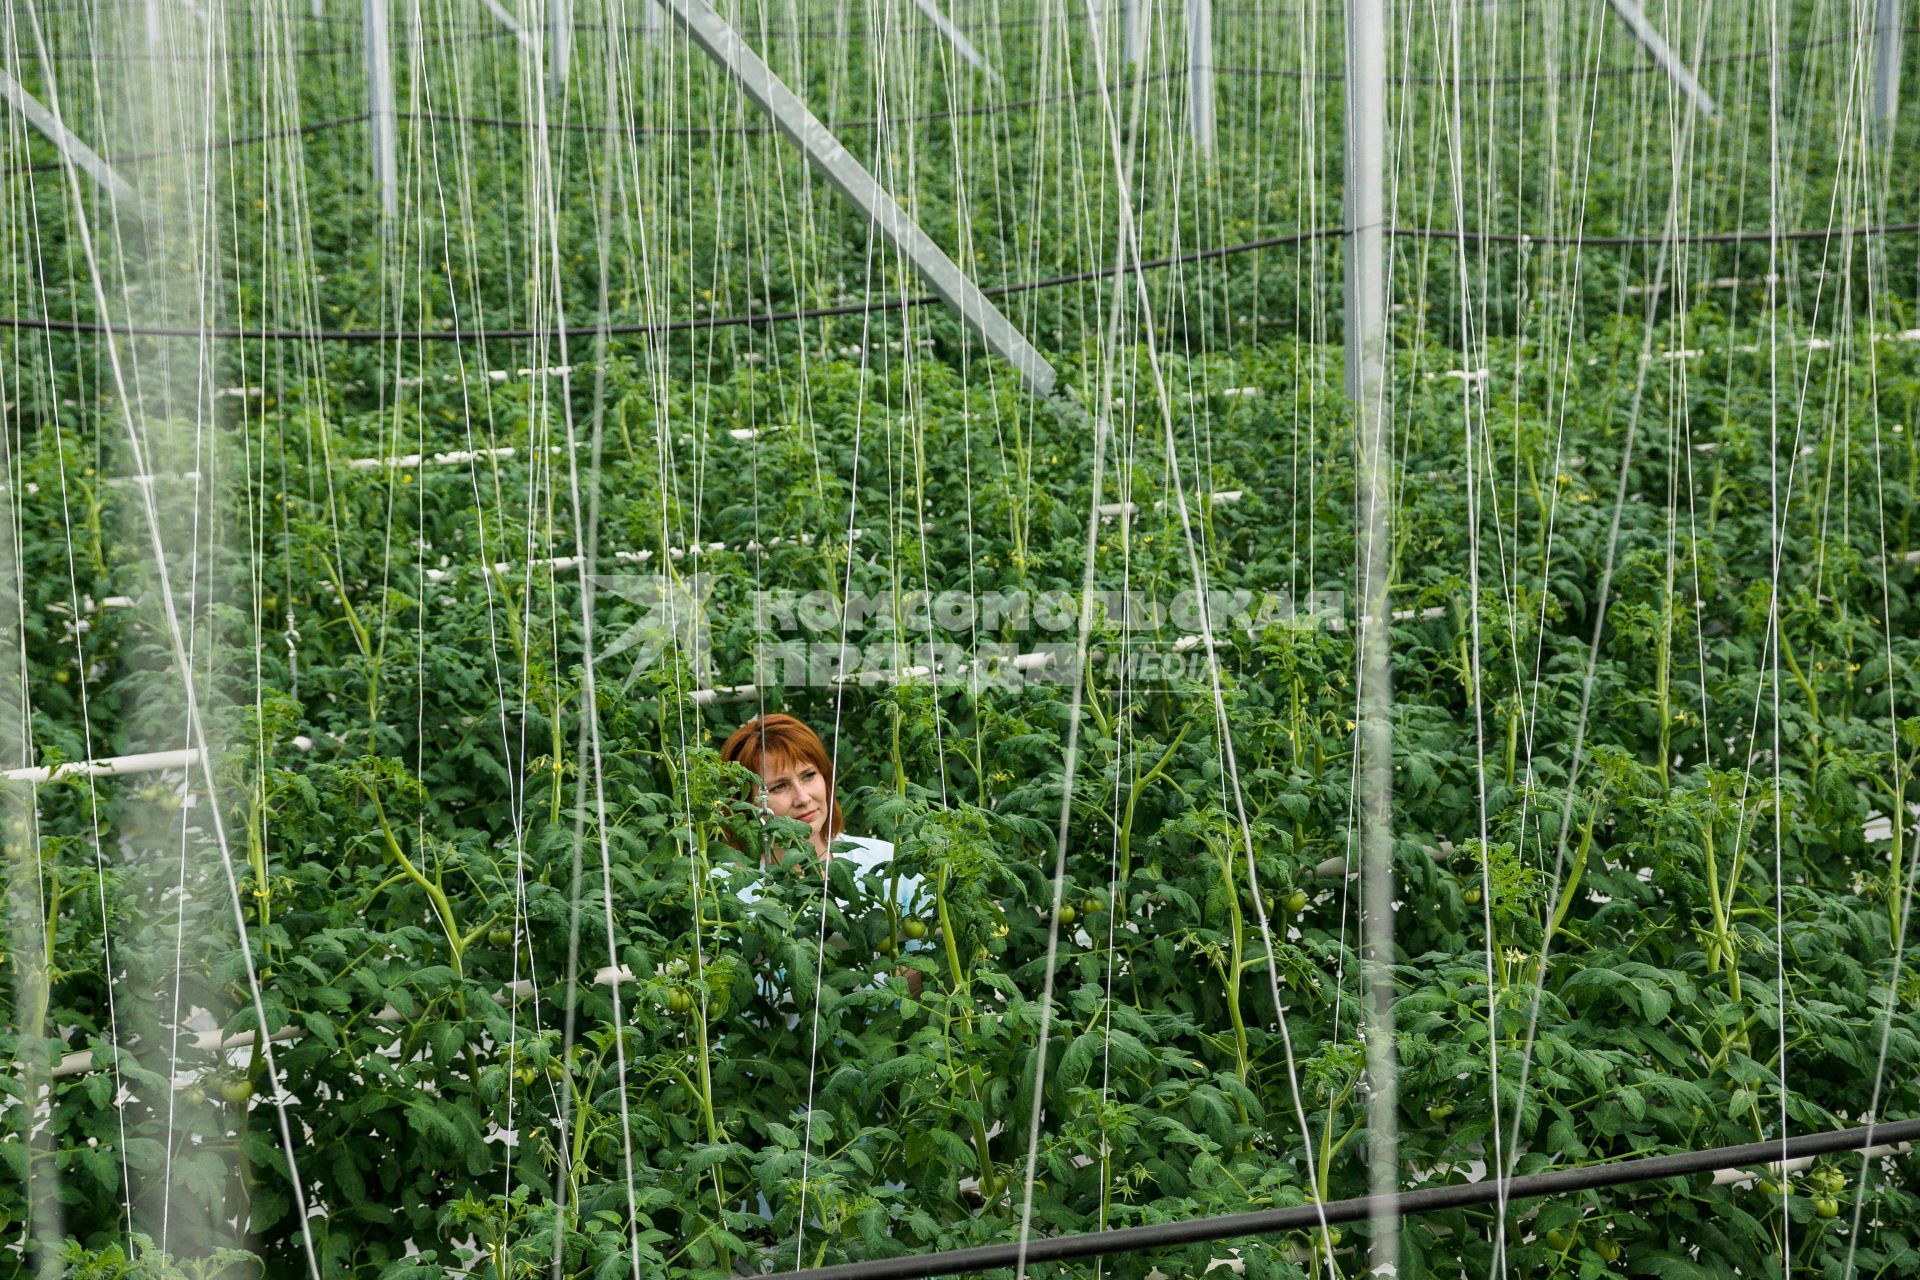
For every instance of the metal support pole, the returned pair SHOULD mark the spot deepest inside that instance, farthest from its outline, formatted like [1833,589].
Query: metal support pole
[1133,26]
[958,39]
[71,148]
[1886,66]
[1200,72]
[1643,30]
[1366,301]
[380,107]
[719,41]
[559,46]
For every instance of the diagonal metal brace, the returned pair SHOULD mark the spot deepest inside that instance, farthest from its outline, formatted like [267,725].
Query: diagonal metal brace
[1643,30]
[958,39]
[513,24]
[717,38]
[71,148]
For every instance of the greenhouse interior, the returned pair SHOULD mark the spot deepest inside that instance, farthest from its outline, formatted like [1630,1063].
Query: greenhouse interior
[896,638]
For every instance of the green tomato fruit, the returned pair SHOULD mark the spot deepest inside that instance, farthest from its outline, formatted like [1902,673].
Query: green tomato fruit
[914,930]
[499,938]
[1296,902]
[1826,1206]
[679,1001]
[1067,914]
[1439,1111]
[236,1089]
[1093,906]
[62,676]
[1333,1236]
[1472,895]
[1609,1250]
[195,1096]
[1560,1238]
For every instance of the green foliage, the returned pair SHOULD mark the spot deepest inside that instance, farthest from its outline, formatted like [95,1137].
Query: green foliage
[1642,914]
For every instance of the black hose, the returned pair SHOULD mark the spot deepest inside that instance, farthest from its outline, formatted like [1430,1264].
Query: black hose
[696,323]
[1160,1235]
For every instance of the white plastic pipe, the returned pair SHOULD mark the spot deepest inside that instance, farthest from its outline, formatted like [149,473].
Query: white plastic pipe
[107,766]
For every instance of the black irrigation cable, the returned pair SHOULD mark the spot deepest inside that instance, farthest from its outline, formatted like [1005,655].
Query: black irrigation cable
[225,144]
[1306,1217]
[778,28]
[1571,76]
[691,324]
[251,54]
[675,130]
[699,323]
[857,122]
[1607,242]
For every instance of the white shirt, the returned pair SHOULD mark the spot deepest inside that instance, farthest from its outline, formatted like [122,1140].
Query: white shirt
[867,854]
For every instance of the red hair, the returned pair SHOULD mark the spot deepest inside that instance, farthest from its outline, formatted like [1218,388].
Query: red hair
[776,741]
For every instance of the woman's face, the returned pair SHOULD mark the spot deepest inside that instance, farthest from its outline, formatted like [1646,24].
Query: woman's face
[795,789]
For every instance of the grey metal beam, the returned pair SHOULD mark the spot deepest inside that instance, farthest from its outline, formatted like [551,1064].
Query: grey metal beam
[71,148]
[958,39]
[1886,66]
[1200,72]
[1643,30]
[380,107]
[717,38]
[513,24]
[1366,299]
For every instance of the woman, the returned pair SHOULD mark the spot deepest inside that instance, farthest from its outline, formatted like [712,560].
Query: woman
[796,781]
